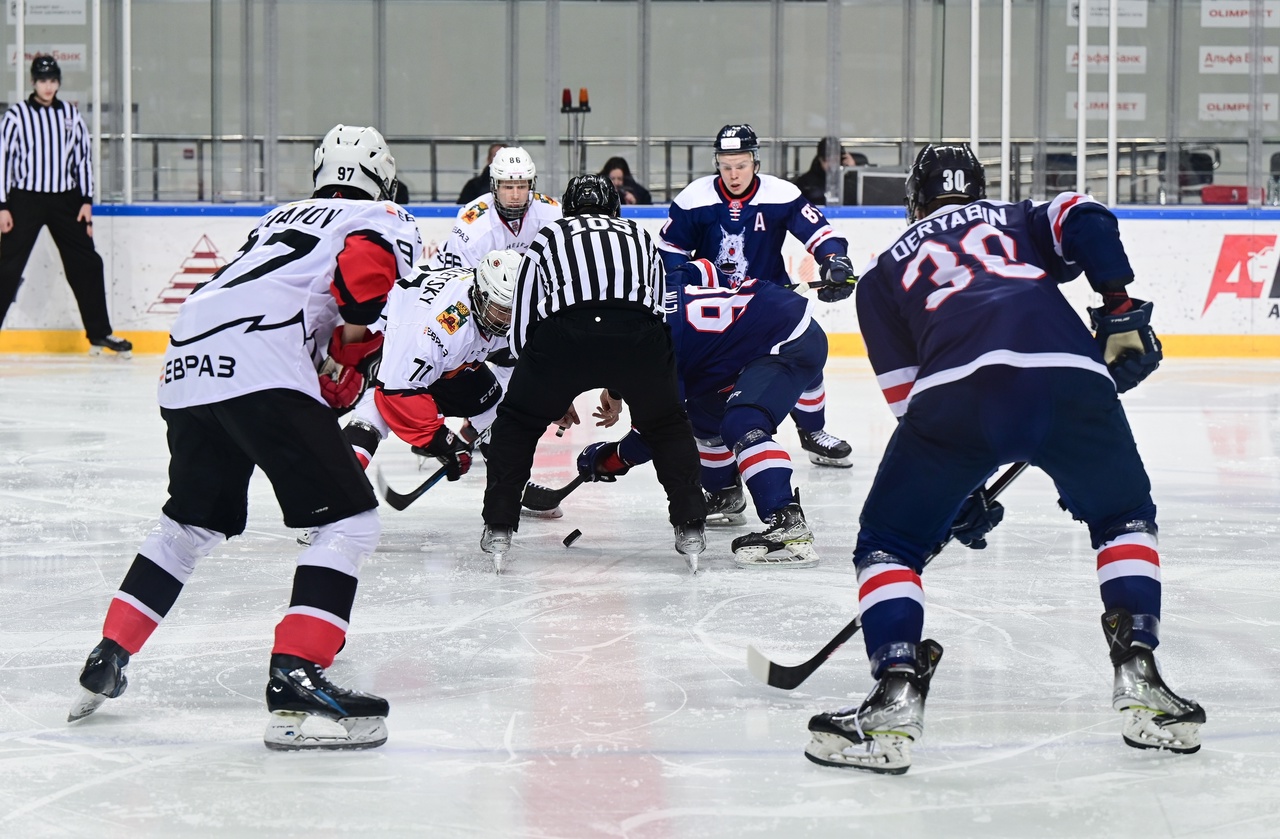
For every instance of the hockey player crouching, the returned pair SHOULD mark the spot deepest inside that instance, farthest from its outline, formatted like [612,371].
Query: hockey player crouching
[313,274]
[744,354]
[441,326]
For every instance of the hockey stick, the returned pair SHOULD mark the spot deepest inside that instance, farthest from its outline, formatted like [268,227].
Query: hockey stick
[399,501]
[540,498]
[791,677]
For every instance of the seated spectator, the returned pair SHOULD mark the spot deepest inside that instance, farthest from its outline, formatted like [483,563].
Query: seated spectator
[813,183]
[479,185]
[617,171]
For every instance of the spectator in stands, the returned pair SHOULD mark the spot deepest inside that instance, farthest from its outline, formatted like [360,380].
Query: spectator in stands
[813,183]
[619,173]
[478,185]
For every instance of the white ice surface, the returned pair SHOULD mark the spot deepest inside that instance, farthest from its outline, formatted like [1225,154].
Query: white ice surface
[598,690]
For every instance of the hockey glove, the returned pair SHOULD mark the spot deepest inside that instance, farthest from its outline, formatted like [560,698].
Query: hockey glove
[977,516]
[346,371]
[1129,347]
[838,279]
[600,462]
[451,450]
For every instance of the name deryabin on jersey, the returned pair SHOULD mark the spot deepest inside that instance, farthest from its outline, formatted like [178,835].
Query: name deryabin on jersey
[911,240]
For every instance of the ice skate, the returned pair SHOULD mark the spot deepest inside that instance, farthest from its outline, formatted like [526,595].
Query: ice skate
[727,507]
[102,678]
[826,449]
[496,541]
[117,345]
[1154,716]
[308,536]
[877,735]
[786,543]
[301,698]
[691,541]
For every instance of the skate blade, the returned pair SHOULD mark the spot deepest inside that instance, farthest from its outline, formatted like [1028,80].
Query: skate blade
[1142,731]
[797,555]
[884,754]
[553,513]
[290,731]
[499,561]
[691,560]
[85,704]
[95,352]
[834,462]
[726,519]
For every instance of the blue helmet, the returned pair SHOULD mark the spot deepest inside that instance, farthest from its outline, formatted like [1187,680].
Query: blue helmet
[737,138]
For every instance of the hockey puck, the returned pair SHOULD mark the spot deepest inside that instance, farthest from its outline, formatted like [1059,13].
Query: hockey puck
[572,537]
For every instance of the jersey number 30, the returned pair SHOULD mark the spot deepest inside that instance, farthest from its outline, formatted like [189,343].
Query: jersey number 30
[954,271]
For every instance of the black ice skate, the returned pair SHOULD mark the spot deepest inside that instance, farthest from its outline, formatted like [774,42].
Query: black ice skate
[877,735]
[826,449]
[119,346]
[727,506]
[298,690]
[787,542]
[102,678]
[1154,716]
[496,541]
[691,541]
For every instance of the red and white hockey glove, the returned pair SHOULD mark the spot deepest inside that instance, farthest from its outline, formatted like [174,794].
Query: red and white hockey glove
[345,373]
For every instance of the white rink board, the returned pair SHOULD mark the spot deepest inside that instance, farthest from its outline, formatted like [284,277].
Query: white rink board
[1210,273]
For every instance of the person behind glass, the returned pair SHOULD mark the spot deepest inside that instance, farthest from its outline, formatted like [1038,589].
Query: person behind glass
[478,185]
[619,174]
[813,183]
[46,180]
[588,314]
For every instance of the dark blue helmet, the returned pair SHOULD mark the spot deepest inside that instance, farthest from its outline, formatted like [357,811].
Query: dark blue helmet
[737,138]
[590,194]
[944,171]
[45,67]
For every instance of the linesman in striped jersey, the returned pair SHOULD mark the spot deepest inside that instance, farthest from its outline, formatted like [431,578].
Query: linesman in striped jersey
[46,180]
[588,314]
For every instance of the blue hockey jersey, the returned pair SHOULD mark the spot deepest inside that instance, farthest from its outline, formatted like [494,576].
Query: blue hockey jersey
[744,236]
[717,328]
[977,284]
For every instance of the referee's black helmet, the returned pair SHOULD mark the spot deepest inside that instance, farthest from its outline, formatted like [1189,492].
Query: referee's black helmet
[590,194]
[45,67]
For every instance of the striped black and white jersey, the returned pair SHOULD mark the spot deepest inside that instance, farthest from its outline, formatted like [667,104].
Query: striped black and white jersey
[585,260]
[44,149]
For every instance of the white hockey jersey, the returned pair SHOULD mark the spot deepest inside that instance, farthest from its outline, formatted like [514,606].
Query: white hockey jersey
[480,229]
[431,331]
[264,320]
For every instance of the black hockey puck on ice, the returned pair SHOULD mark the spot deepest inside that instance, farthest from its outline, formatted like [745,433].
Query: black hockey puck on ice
[572,537]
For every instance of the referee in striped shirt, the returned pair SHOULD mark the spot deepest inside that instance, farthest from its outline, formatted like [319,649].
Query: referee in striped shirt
[46,180]
[587,315]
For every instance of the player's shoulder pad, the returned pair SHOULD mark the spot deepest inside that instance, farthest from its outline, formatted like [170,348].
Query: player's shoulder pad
[545,199]
[699,193]
[473,211]
[774,190]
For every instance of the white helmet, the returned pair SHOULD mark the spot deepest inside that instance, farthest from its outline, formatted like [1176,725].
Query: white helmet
[494,291]
[512,164]
[356,156]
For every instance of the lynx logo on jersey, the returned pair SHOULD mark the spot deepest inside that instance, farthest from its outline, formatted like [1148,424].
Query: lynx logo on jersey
[732,258]
[475,212]
[453,318]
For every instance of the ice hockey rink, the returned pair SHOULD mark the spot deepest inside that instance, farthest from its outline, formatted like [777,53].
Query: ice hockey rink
[600,690]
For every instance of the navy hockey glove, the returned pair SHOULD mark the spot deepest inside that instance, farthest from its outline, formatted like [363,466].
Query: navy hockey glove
[1129,346]
[346,372]
[977,516]
[600,462]
[451,450]
[838,279]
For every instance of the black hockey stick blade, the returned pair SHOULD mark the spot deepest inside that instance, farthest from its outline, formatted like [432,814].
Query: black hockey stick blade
[541,499]
[399,501]
[791,677]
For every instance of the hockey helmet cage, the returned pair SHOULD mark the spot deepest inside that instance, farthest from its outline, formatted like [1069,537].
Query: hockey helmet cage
[512,163]
[944,171]
[591,193]
[356,156]
[45,67]
[737,138]
[493,292]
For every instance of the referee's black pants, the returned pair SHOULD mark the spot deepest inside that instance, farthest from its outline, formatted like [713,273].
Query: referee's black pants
[82,264]
[626,350]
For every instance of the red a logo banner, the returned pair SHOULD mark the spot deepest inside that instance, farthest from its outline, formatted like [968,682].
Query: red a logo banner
[1232,273]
